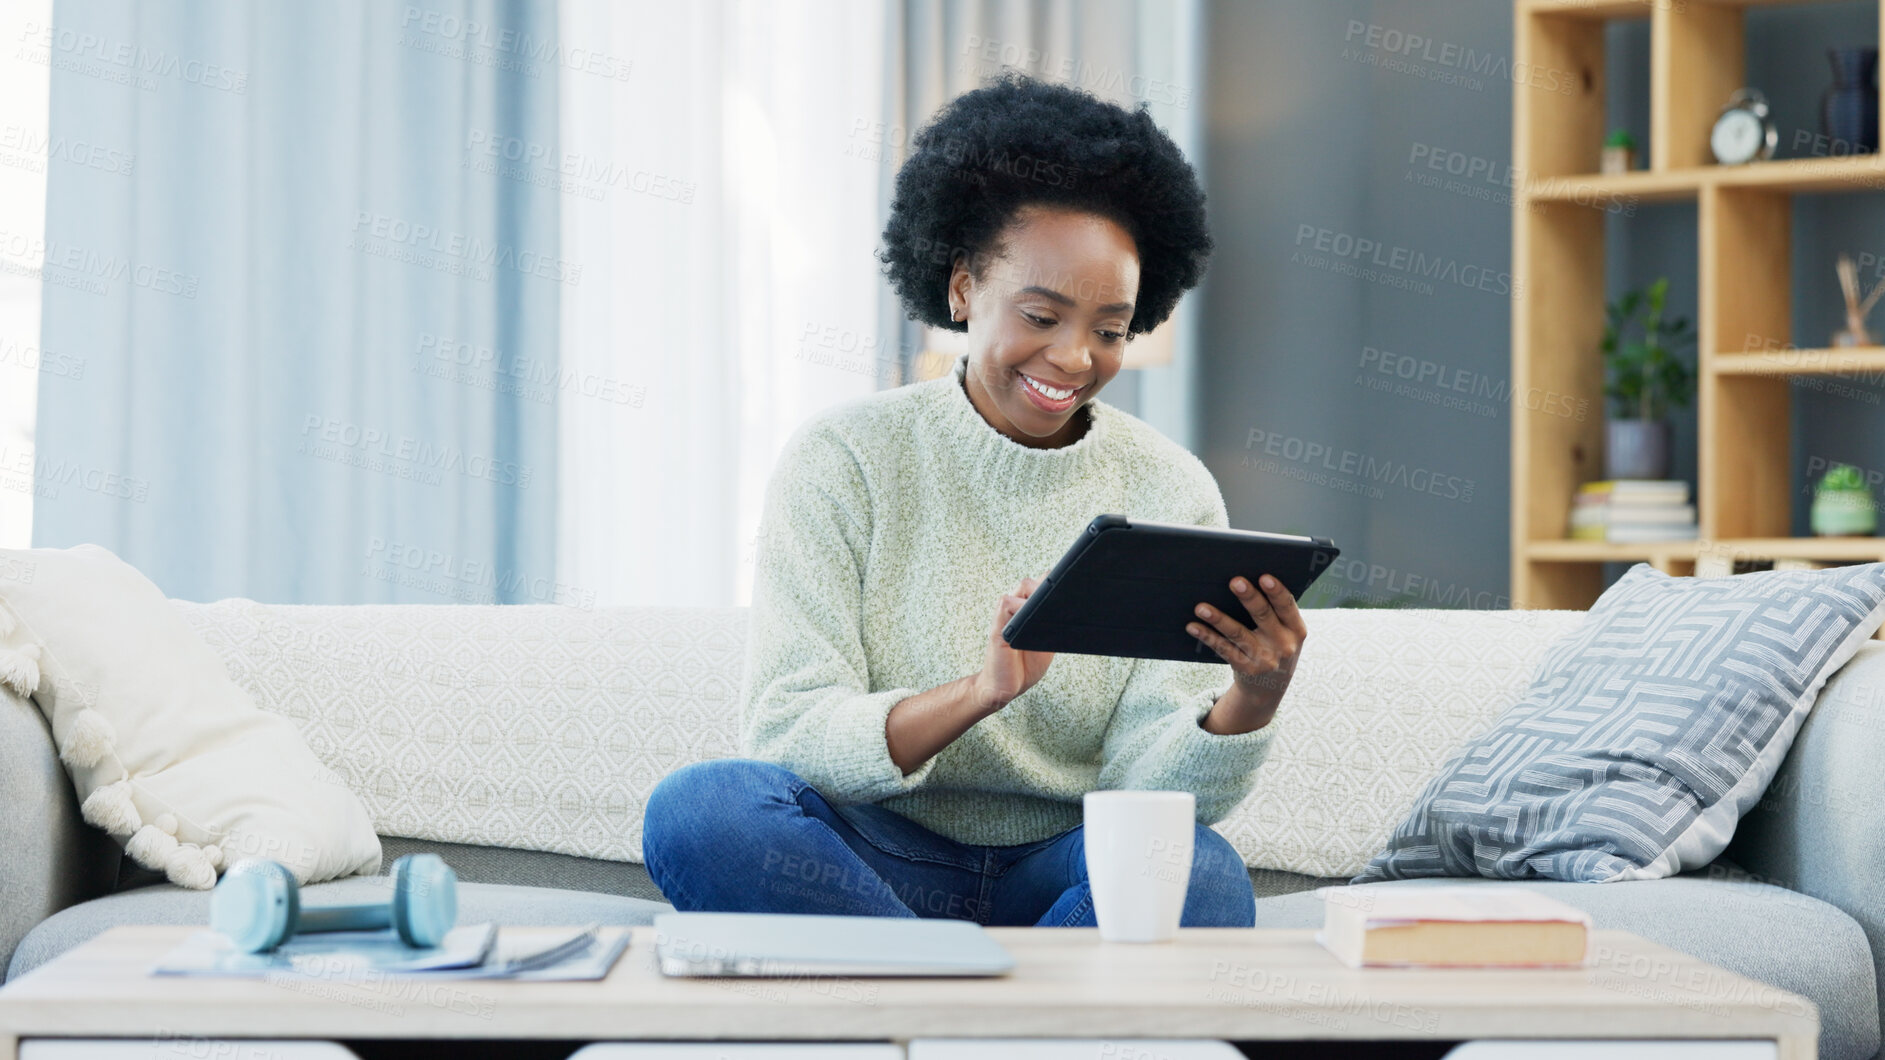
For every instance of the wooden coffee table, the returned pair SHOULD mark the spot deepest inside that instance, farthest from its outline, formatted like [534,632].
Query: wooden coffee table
[1211,983]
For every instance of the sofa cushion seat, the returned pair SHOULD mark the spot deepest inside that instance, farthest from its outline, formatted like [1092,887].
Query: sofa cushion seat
[477,902]
[1770,934]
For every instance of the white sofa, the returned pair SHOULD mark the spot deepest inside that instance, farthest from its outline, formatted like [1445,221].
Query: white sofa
[521,742]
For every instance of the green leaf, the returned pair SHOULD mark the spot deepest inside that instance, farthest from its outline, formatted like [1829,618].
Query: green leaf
[1645,375]
[1842,477]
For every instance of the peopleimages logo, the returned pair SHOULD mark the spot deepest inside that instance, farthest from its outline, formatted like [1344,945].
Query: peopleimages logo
[35,359]
[536,378]
[1419,372]
[34,146]
[23,472]
[1342,246]
[1383,583]
[527,161]
[983,56]
[415,453]
[1493,180]
[1358,466]
[82,267]
[432,247]
[503,47]
[123,61]
[466,580]
[972,159]
[1455,57]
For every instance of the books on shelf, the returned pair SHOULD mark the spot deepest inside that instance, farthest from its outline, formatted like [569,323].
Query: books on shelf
[1633,511]
[1639,490]
[1452,927]
[1633,533]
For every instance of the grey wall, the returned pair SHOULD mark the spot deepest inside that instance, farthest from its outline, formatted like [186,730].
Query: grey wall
[1322,123]
[1312,143]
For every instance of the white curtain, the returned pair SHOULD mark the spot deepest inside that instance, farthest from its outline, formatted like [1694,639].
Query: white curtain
[723,201]
[730,285]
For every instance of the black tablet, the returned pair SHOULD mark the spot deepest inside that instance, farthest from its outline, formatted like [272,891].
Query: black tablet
[1128,586]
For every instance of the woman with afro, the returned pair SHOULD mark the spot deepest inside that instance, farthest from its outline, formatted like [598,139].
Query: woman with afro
[902,759]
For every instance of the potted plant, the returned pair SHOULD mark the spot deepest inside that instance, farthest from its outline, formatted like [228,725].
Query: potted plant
[1619,153]
[1842,504]
[1645,378]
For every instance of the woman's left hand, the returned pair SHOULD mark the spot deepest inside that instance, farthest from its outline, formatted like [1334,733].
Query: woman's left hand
[1263,657]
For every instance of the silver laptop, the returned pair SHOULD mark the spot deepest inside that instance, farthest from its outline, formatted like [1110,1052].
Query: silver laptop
[780,944]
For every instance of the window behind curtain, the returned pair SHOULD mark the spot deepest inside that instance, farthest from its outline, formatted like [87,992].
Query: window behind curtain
[724,197]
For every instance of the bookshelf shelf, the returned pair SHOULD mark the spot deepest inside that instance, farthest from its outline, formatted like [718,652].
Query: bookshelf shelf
[1822,548]
[1594,9]
[1567,551]
[1866,360]
[1609,9]
[1744,217]
[1869,549]
[1612,191]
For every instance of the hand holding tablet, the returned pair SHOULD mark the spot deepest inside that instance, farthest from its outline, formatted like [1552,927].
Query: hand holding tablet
[1129,588]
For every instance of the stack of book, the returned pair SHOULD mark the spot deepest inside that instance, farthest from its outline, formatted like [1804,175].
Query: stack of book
[1633,510]
[1446,927]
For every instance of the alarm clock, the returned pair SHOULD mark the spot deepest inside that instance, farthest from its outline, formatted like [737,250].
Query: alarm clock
[1745,130]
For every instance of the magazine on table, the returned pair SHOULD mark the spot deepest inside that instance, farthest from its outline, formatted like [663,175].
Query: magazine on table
[471,951]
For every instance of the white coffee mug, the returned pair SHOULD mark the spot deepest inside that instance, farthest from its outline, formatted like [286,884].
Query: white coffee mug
[1138,861]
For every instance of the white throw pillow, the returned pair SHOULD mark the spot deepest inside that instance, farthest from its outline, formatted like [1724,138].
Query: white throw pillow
[166,752]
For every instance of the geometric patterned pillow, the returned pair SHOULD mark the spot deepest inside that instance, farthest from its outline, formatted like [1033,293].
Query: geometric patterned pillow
[1381,697]
[1646,732]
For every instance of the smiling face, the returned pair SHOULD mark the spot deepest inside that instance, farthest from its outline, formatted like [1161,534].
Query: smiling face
[1052,309]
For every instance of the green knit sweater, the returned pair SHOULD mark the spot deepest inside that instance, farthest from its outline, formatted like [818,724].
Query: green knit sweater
[892,525]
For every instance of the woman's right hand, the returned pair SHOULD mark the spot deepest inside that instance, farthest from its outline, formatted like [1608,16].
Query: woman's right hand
[1007,672]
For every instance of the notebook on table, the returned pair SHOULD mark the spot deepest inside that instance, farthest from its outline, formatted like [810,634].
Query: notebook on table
[782,944]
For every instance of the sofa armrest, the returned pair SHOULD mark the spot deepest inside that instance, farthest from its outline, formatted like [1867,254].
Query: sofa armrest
[52,858]
[1820,827]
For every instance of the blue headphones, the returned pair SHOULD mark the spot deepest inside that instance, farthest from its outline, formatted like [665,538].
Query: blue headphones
[257,904]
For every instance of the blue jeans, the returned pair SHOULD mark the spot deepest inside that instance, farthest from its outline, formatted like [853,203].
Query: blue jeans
[734,835]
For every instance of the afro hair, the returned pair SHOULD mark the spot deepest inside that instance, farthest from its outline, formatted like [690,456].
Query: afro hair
[1018,141]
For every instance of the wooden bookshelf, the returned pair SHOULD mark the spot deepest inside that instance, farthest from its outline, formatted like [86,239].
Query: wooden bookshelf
[1745,320]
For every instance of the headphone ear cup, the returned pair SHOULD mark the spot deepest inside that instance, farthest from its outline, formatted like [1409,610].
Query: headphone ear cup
[425,899]
[291,921]
[256,905]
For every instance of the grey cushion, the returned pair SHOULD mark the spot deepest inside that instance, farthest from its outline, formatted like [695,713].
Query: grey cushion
[532,868]
[477,902]
[539,868]
[1269,882]
[482,864]
[1646,733]
[1769,934]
